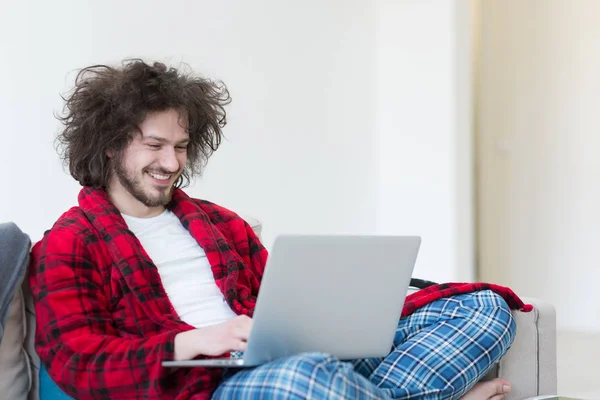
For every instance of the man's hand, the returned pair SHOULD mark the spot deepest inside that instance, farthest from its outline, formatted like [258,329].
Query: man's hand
[214,340]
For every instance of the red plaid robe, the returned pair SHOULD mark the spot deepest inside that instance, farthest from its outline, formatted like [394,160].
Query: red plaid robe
[104,322]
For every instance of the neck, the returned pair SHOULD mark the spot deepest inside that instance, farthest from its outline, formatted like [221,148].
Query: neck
[129,205]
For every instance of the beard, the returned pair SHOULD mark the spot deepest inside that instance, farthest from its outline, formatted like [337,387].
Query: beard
[148,195]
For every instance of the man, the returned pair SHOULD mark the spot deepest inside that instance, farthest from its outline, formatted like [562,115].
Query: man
[139,272]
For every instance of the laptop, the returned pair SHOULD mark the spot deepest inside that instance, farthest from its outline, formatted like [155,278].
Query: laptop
[337,294]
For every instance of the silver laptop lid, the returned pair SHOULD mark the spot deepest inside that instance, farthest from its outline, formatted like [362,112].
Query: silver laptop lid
[340,295]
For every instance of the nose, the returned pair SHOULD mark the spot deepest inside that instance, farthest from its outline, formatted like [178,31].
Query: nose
[169,159]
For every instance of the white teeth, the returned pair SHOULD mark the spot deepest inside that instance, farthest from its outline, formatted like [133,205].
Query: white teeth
[159,177]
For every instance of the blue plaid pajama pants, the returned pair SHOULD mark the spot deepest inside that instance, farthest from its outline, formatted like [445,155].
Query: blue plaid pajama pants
[439,352]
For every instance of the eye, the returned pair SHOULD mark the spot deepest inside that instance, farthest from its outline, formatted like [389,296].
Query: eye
[154,146]
[182,148]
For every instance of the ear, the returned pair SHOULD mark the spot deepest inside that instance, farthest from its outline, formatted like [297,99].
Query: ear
[109,154]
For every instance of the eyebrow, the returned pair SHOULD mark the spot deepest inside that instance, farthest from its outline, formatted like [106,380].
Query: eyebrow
[163,140]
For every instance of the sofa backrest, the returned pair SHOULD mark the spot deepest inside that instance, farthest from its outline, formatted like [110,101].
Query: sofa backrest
[15,370]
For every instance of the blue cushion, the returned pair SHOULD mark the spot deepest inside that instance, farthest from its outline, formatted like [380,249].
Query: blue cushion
[50,390]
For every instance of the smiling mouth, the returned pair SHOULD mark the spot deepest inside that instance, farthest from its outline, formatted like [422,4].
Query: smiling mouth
[162,178]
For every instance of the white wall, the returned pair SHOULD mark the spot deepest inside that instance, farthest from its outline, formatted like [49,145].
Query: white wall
[422,115]
[344,114]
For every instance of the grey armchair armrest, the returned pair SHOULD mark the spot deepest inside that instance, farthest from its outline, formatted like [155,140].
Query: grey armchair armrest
[530,364]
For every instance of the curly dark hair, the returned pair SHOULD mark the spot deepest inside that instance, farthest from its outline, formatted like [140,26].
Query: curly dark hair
[105,108]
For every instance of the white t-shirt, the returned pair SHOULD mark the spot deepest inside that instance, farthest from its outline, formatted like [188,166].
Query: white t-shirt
[184,269]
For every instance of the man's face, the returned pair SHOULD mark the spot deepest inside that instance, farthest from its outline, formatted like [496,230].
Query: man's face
[150,165]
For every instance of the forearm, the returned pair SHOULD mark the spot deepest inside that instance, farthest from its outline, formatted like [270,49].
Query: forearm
[186,345]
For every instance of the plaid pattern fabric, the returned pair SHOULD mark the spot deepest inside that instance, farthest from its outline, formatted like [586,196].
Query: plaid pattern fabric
[440,351]
[104,322]
[305,376]
[439,291]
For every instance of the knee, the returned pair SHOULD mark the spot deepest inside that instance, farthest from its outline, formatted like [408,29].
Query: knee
[494,315]
[312,367]
[311,363]
[315,376]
